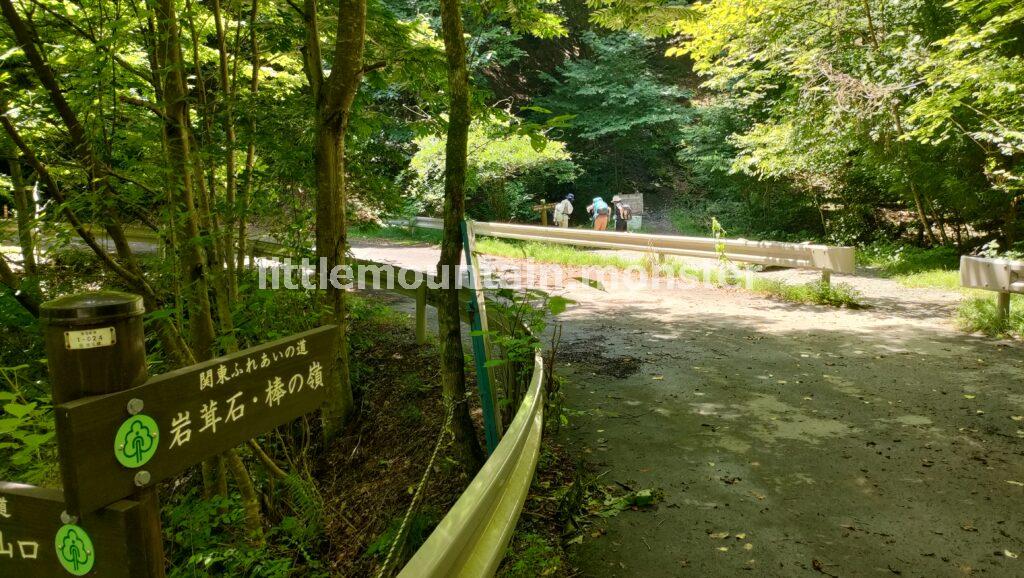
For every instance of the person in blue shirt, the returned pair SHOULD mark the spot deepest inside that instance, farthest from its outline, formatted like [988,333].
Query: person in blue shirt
[600,211]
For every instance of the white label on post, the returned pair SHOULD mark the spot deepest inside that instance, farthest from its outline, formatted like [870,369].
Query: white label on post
[90,338]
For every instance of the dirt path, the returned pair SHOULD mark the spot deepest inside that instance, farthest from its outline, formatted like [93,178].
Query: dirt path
[875,442]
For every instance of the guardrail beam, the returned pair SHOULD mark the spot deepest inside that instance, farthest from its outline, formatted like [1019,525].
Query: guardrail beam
[794,255]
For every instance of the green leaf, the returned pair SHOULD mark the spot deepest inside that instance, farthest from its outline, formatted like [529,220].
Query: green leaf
[18,409]
[8,425]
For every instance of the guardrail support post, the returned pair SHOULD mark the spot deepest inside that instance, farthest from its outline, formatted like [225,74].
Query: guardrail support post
[661,258]
[826,278]
[421,313]
[95,344]
[1003,306]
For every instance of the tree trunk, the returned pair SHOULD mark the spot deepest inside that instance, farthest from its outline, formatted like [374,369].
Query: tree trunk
[9,278]
[453,373]
[227,98]
[333,96]
[250,151]
[25,206]
[181,177]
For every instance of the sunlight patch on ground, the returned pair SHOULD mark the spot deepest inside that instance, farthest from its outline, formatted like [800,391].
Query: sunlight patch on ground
[783,421]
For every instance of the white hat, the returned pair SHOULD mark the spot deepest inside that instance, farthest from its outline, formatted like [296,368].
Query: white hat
[616,199]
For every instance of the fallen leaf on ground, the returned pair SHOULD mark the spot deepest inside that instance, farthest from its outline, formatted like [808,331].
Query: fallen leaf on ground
[1015,483]
[719,535]
[969,396]
[748,546]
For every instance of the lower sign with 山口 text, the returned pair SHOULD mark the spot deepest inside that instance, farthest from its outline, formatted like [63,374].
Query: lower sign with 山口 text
[35,542]
[112,444]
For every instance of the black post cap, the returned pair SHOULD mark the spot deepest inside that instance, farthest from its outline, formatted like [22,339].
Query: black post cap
[92,307]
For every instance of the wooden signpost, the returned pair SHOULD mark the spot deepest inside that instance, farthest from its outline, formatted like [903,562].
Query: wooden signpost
[543,208]
[111,445]
[35,541]
[119,433]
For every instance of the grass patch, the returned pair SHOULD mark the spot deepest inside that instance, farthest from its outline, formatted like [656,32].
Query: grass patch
[932,278]
[401,234]
[551,253]
[816,292]
[978,314]
[910,266]
[532,554]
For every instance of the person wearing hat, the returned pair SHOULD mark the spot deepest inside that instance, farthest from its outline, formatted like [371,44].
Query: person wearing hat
[562,211]
[622,213]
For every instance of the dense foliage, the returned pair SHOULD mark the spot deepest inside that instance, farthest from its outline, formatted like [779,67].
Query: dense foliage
[145,143]
[506,169]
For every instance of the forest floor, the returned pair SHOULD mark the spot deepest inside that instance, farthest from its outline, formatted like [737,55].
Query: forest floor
[786,438]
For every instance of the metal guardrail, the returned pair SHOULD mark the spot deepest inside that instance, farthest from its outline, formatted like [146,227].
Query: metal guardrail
[1001,275]
[824,258]
[472,537]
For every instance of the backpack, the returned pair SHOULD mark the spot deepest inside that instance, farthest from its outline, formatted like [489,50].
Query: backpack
[625,212]
[601,208]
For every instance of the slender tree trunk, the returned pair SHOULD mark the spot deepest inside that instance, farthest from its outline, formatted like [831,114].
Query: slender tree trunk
[25,207]
[181,176]
[9,278]
[227,99]
[250,150]
[453,373]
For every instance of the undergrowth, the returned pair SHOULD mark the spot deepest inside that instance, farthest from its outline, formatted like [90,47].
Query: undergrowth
[979,314]
[919,267]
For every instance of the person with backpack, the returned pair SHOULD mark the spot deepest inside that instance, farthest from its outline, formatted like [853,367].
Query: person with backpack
[622,213]
[563,210]
[600,212]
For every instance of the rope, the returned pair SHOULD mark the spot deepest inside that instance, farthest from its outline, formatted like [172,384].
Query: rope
[400,536]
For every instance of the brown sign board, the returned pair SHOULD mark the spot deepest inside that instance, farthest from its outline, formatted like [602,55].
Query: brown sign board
[112,444]
[30,520]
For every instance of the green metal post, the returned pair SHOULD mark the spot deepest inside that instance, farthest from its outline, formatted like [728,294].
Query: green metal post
[483,376]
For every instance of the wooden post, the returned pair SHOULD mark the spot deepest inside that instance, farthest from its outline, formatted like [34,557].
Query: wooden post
[661,258]
[1003,306]
[95,344]
[543,213]
[826,278]
[421,313]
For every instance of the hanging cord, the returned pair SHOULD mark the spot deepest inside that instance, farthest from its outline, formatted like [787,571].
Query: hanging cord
[400,536]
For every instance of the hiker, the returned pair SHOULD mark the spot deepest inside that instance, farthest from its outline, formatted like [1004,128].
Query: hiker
[622,214]
[563,210]
[600,211]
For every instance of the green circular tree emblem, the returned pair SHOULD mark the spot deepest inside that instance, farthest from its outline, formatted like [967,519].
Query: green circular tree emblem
[136,441]
[74,550]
